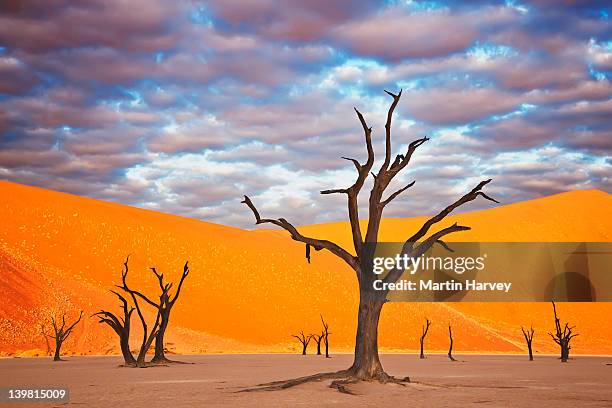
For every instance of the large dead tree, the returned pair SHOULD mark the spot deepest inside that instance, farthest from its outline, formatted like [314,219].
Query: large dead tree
[528,334]
[366,364]
[164,306]
[450,347]
[424,331]
[562,337]
[121,326]
[61,333]
[304,340]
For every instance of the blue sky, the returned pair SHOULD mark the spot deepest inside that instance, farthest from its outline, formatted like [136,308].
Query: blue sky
[185,106]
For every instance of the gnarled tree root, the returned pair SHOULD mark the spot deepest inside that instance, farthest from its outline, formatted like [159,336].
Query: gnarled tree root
[142,365]
[341,380]
[168,361]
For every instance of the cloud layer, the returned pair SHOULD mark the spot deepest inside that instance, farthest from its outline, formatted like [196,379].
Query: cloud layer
[185,106]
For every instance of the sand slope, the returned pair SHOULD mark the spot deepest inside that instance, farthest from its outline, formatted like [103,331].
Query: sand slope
[249,290]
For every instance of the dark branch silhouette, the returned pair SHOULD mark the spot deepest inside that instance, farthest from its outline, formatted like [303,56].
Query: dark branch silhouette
[528,334]
[302,338]
[164,306]
[366,364]
[61,333]
[326,334]
[450,347]
[318,338]
[424,331]
[563,335]
[121,326]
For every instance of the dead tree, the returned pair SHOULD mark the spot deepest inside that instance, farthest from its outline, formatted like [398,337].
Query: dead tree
[164,306]
[562,336]
[366,364]
[147,335]
[61,333]
[528,334]
[326,334]
[450,347]
[302,338]
[121,326]
[424,331]
[318,338]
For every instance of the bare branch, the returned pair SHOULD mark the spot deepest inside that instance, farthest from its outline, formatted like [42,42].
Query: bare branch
[335,191]
[398,192]
[295,235]
[69,329]
[395,273]
[180,285]
[355,162]
[472,195]
[422,248]
[405,159]
[160,278]
[396,99]
[444,245]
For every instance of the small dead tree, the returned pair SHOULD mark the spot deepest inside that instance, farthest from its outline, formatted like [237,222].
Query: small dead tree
[326,334]
[528,334]
[121,326]
[147,335]
[450,348]
[424,331]
[164,306]
[302,338]
[61,333]
[562,336]
[318,338]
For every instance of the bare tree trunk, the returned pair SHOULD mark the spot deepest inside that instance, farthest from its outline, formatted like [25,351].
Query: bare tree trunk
[124,342]
[528,334]
[121,326]
[58,347]
[530,352]
[318,338]
[564,352]
[325,335]
[160,356]
[367,364]
[450,348]
[423,335]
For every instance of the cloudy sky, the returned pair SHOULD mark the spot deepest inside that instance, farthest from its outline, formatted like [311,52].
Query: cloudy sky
[184,106]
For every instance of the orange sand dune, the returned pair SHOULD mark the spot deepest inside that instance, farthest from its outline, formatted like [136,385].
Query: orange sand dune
[249,290]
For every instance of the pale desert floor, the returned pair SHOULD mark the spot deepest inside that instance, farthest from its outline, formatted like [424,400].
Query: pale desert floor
[483,381]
